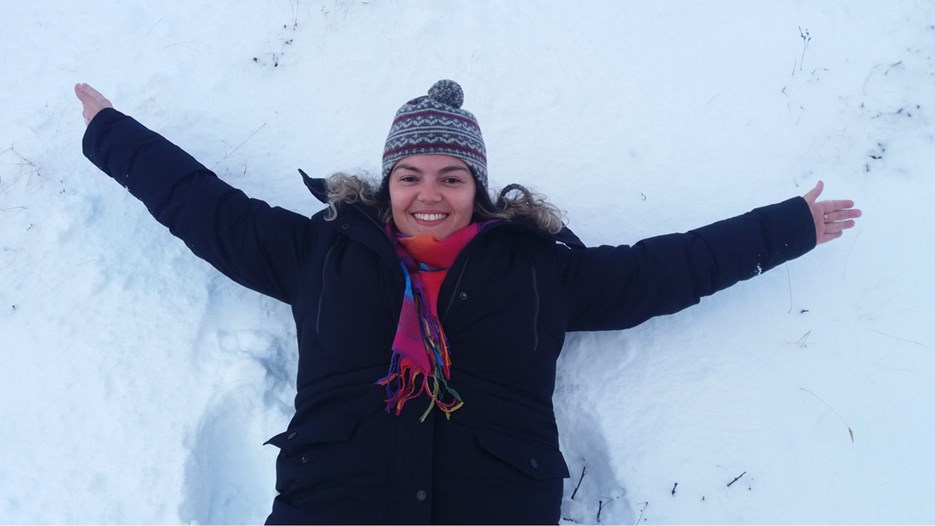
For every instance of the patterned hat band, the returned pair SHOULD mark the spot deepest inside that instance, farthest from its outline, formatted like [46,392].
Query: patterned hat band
[435,124]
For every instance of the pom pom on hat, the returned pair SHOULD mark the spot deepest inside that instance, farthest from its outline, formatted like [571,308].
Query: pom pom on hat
[436,124]
[447,92]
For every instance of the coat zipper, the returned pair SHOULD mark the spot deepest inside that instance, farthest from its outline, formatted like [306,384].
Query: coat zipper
[321,295]
[535,312]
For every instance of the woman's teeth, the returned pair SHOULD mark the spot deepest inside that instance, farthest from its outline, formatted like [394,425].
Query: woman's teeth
[430,217]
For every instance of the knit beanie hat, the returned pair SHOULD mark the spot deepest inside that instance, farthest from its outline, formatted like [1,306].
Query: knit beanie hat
[436,124]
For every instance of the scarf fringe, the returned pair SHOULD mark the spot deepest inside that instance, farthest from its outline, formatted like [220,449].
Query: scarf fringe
[401,387]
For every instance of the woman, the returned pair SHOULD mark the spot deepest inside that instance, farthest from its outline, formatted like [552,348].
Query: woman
[429,317]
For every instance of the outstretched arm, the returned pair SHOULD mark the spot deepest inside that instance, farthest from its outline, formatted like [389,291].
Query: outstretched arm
[831,218]
[623,286]
[259,246]
[664,274]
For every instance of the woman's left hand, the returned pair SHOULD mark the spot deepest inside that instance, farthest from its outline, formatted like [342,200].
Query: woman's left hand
[92,101]
[831,218]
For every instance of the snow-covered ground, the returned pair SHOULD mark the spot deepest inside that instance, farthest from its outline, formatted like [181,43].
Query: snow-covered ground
[137,384]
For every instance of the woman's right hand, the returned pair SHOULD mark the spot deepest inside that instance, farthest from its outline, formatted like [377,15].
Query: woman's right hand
[831,218]
[92,100]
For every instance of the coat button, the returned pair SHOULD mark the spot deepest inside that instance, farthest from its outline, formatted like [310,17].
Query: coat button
[291,435]
[534,463]
[345,226]
[304,459]
[421,495]
[463,296]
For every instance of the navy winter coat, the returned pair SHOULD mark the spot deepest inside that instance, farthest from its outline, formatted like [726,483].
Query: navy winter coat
[505,305]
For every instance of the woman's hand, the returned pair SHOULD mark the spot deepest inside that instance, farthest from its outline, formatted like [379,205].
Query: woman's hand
[92,100]
[832,218]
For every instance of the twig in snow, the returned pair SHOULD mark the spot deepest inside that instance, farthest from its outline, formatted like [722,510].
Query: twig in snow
[849,430]
[154,27]
[806,38]
[295,14]
[25,163]
[673,488]
[892,66]
[601,504]
[228,154]
[642,509]
[575,492]
[898,338]
[736,479]
[185,44]
[801,341]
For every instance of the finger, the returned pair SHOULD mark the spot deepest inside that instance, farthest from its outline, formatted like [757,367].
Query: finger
[96,95]
[836,204]
[82,93]
[837,210]
[813,194]
[88,94]
[89,107]
[86,90]
[841,215]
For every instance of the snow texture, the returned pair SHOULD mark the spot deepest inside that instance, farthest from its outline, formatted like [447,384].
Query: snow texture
[137,384]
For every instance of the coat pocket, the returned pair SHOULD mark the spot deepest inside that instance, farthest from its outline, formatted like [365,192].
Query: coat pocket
[327,455]
[534,459]
[337,429]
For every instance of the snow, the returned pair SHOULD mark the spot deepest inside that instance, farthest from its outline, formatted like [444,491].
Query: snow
[137,384]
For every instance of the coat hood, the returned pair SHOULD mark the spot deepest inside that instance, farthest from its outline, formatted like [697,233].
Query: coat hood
[319,188]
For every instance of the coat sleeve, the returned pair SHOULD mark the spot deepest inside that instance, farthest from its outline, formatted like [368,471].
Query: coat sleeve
[620,287]
[258,246]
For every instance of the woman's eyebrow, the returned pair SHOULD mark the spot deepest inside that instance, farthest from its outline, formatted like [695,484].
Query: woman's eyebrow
[454,168]
[402,166]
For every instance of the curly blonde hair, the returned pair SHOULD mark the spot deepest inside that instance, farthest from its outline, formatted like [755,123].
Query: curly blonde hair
[514,202]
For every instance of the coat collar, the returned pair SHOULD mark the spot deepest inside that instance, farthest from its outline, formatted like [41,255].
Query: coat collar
[318,187]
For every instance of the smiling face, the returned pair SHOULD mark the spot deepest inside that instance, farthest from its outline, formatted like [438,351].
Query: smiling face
[431,194]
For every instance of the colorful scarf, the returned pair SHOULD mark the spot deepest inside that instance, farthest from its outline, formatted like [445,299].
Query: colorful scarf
[420,346]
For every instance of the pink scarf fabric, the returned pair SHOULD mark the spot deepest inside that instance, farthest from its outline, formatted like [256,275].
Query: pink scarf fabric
[421,362]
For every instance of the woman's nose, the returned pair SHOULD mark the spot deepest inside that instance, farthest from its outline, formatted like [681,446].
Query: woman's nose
[428,192]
